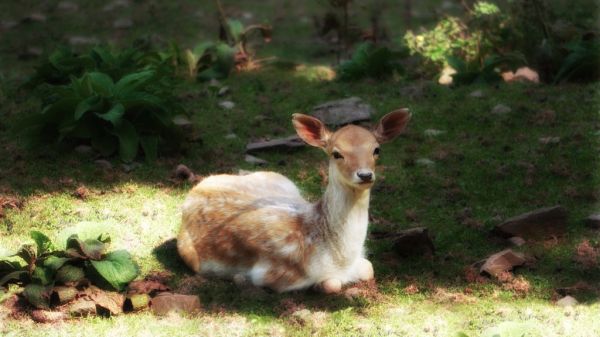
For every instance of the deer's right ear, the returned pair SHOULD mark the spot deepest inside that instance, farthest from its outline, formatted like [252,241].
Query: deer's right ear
[311,130]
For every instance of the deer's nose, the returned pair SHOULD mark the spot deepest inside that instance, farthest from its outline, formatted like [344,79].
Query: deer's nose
[365,175]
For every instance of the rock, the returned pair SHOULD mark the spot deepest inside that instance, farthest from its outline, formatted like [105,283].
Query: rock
[123,23]
[104,164]
[549,140]
[67,6]
[182,172]
[501,109]
[477,94]
[343,111]
[84,150]
[182,120]
[500,262]
[231,136]
[567,301]
[291,142]
[165,303]
[8,24]
[414,241]
[517,241]
[425,162]
[433,132]
[227,105]
[446,76]
[223,91]
[46,316]
[34,17]
[30,53]
[130,167]
[255,160]
[82,40]
[116,4]
[539,223]
[593,221]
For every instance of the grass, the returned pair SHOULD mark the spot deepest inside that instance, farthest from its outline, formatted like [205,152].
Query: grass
[492,165]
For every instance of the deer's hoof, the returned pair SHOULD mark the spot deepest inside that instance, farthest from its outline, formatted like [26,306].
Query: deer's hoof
[331,286]
[365,270]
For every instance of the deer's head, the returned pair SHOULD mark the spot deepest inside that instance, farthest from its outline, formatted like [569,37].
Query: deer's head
[353,150]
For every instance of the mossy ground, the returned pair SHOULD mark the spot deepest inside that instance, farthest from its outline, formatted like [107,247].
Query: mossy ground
[486,168]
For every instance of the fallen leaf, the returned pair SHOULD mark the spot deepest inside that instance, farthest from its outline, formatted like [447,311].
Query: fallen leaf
[108,303]
[586,254]
[165,303]
[146,287]
[46,316]
[81,192]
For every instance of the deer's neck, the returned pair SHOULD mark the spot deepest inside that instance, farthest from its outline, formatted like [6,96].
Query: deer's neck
[343,215]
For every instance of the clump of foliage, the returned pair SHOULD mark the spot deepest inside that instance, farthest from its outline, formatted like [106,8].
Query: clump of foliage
[47,272]
[582,62]
[118,103]
[216,60]
[476,46]
[370,61]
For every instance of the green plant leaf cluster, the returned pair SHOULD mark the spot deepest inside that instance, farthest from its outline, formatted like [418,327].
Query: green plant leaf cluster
[486,72]
[370,61]
[41,269]
[123,105]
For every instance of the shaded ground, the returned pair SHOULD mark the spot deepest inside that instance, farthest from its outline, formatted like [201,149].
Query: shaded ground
[486,168]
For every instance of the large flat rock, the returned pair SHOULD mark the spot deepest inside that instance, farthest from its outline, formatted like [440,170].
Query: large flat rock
[287,143]
[536,224]
[502,261]
[343,111]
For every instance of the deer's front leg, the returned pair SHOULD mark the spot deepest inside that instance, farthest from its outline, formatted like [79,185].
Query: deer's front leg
[364,269]
[331,286]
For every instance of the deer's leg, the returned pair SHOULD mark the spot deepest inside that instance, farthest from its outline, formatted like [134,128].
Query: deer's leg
[331,286]
[364,269]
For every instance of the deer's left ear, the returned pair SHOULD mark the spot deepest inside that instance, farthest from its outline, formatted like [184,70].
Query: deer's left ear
[391,125]
[311,130]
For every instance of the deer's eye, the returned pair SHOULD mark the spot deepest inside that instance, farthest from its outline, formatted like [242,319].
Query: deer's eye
[337,155]
[376,152]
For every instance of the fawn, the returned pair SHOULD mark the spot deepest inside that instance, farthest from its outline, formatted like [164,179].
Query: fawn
[258,229]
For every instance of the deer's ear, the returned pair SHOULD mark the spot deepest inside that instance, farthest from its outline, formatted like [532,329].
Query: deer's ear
[311,130]
[391,125]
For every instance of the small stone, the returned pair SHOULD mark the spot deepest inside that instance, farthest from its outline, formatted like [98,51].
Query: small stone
[567,301]
[182,172]
[425,162]
[8,24]
[223,91]
[343,111]
[503,261]
[477,94]
[227,105]
[517,241]
[84,150]
[593,221]
[82,40]
[214,83]
[446,76]
[501,109]
[104,164]
[540,223]
[549,140]
[433,132]
[130,167]
[182,120]
[116,4]
[123,23]
[255,160]
[34,17]
[290,142]
[30,53]
[231,136]
[67,6]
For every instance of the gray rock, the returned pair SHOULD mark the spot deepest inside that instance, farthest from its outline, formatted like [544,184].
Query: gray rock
[433,132]
[231,136]
[84,150]
[123,23]
[130,167]
[425,162]
[503,261]
[593,221]
[82,40]
[182,120]
[67,6]
[549,140]
[255,160]
[567,301]
[116,4]
[291,142]
[343,111]
[104,164]
[539,223]
[517,241]
[477,94]
[412,242]
[501,109]
[223,91]
[227,105]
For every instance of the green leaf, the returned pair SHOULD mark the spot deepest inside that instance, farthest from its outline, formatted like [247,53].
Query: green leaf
[114,115]
[90,103]
[236,29]
[128,140]
[69,274]
[42,275]
[117,268]
[150,147]
[43,243]
[37,295]
[54,263]
[132,82]
[15,276]
[101,83]
[89,249]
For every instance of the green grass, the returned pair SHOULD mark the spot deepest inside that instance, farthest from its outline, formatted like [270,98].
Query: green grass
[493,165]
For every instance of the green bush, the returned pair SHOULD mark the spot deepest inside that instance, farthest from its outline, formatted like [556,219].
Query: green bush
[370,61]
[41,268]
[116,102]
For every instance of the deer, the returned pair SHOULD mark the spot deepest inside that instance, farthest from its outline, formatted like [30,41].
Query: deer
[258,230]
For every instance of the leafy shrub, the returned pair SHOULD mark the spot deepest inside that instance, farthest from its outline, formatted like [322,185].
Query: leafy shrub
[582,62]
[42,268]
[117,102]
[371,61]
[488,72]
